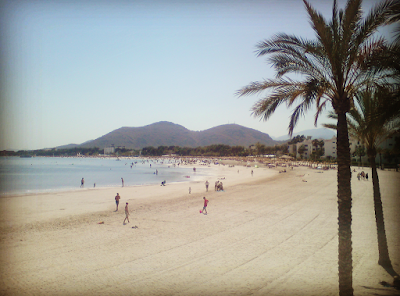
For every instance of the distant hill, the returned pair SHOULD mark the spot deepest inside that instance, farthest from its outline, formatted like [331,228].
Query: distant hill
[318,133]
[170,134]
[71,146]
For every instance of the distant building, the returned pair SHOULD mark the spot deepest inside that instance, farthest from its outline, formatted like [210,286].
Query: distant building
[307,145]
[390,142]
[109,150]
[329,148]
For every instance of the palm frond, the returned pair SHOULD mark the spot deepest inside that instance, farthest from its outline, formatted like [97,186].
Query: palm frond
[320,107]
[393,12]
[320,27]
[343,60]
[330,126]
[264,108]
[351,22]
[394,17]
[294,118]
[376,17]
[375,116]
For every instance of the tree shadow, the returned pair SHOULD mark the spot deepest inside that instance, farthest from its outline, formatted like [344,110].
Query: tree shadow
[385,292]
[388,289]
[390,270]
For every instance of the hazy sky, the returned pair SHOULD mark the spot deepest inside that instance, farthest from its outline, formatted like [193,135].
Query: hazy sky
[73,71]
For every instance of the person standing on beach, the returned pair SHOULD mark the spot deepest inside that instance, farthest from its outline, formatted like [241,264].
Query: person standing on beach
[205,205]
[207,185]
[126,213]
[117,197]
[82,183]
[122,180]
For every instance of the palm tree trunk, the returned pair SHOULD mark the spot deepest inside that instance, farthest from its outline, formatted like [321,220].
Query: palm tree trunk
[384,259]
[344,208]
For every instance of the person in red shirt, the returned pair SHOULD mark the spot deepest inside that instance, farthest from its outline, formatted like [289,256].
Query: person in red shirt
[205,205]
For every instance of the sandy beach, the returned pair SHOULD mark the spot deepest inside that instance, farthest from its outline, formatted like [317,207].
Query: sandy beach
[267,234]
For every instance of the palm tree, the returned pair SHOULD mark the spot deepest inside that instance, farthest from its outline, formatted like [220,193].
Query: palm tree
[359,151]
[331,71]
[317,153]
[374,117]
[315,143]
[301,150]
[260,148]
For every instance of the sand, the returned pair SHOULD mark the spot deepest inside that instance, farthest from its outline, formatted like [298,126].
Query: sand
[267,234]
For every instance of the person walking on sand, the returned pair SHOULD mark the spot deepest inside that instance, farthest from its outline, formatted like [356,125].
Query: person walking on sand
[205,205]
[207,185]
[122,180]
[126,213]
[82,182]
[117,198]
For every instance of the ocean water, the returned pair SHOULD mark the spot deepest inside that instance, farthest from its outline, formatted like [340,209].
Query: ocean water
[49,174]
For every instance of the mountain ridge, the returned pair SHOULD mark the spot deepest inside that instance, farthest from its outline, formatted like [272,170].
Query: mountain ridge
[165,133]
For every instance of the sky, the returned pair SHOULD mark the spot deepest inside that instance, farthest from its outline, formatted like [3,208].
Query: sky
[73,71]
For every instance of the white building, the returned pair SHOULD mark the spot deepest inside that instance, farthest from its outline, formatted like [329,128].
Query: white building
[307,144]
[329,147]
[331,150]
[109,150]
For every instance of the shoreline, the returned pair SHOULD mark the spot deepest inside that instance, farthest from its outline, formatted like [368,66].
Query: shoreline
[66,187]
[102,198]
[202,163]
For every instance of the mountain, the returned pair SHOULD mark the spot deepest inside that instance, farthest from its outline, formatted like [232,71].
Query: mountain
[318,133]
[170,134]
[71,146]
[68,146]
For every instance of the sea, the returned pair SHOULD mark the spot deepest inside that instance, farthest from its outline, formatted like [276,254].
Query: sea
[52,174]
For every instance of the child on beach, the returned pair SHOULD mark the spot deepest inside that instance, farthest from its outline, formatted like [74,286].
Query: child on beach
[205,205]
[126,213]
